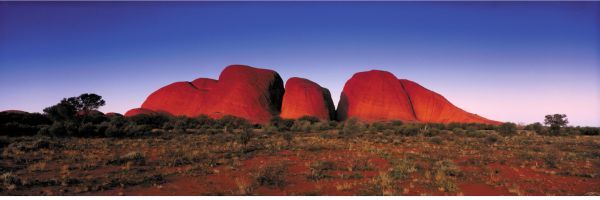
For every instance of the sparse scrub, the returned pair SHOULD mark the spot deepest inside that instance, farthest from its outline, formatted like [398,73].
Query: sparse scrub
[272,176]
[133,157]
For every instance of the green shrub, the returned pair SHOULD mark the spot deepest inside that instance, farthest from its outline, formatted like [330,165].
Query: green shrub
[231,122]
[272,176]
[459,131]
[436,140]
[508,128]
[311,119]
[288,137]
[537,127]
[301,126]
[281,124]
[589,131]
[245,136]
[409,130]
[134,157]
[490,139]
[351,126]
[152,121]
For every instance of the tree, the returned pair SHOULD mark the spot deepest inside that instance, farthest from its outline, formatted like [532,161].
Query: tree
[62,111]
[556,122]
[86,102]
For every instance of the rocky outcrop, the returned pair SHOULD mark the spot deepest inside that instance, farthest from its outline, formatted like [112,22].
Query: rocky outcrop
[380,96]
[306,98]
[258,94]
[374,96]
[139,111]
[251,93]
[432,107]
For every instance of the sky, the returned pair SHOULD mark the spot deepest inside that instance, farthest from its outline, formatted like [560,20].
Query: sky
[509,61]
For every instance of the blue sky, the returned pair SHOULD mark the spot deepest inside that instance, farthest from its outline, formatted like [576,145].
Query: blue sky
[508,61]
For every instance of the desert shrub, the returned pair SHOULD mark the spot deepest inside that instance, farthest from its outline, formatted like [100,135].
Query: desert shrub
[318,170]
[272,176]
[93,117]
[362,165]
[377,127]
[24,118]
[4,141]
[589,130]
[436,140]
[231,122]
[18,129]
[21,124]
[490,139]
[447,168]
[301,126]
[476,133]
[58,129]
[10,181]
[179,123]
[113,130]
[152,121]
[459,131]
[281,124]
[382,184]
[204,121]
[135,130]
[311,119]
[133,157]
[245,136]
[396,123]
[430,132]
[408,130]
[288,137]
[351,126]
[507,128]
[438,126]
[402,169]
[454,125]
[87,130]
[537,127]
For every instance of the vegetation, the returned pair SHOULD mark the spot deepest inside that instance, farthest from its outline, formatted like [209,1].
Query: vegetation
[73,150]
[556,122]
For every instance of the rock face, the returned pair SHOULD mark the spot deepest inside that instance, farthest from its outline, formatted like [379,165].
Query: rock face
[251,93]
[374,96]
[433,107]
[138,111]
[113,114]
[379,96]
[305,98]
[258,94]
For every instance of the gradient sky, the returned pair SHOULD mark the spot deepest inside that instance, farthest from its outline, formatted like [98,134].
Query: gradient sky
[512,61]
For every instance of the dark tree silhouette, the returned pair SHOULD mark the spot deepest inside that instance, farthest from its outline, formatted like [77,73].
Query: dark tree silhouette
[86,102]
[62,111]
[556,122]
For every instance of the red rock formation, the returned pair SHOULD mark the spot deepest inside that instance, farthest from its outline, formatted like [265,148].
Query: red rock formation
[379,96]
[138,111]
[430,106]
[305,98]
[251,93]
[374,96]
[180,98]
[15,111]
[113,114]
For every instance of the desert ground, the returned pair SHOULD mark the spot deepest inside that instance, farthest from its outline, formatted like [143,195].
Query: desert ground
[325,162]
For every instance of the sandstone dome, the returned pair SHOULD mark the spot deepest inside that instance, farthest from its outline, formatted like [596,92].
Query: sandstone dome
[303,97]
